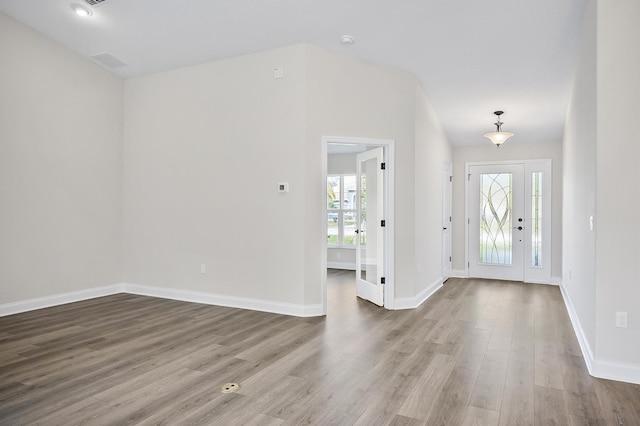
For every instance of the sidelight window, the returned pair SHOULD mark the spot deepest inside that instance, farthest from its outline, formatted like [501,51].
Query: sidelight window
[536,219]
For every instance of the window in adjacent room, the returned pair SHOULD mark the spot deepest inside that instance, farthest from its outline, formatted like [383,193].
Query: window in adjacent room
[341,210]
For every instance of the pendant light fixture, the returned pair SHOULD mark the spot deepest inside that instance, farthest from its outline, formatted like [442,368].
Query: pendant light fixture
[498,137]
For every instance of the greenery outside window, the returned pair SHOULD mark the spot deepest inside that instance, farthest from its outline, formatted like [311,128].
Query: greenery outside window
[341,210]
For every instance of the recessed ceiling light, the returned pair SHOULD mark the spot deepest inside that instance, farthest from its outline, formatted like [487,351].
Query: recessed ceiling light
[346,39]
[81,10]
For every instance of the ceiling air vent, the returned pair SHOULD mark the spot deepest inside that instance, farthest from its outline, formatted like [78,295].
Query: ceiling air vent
[108,60]
[93,2]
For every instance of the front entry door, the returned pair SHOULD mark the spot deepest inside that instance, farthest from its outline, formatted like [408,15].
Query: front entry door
[370,240]
[497,221]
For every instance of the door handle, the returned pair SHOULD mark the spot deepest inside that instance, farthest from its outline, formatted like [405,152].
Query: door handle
[519,228]
[357,231]
[444,229]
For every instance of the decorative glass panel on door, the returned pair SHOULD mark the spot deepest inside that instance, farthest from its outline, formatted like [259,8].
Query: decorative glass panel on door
[536,219]
[495,218]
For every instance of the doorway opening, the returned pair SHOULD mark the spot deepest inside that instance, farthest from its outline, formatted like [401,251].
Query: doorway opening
[357,219]
[508,230]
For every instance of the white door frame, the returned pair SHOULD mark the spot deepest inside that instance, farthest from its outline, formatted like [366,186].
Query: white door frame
[389,152]
[447,213]
[532,274]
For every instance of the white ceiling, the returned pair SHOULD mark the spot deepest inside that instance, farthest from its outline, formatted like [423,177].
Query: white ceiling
[473,57]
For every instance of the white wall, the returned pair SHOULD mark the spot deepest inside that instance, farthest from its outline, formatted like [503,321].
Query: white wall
[341,164]
[511,150]
[618,174]
[146,181]
[351,98]
[205,148]
[602,151]
[60,169]
[579,181]
[206,145]
[432,149]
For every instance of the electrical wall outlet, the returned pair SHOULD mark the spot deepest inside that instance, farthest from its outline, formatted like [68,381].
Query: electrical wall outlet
[621,319]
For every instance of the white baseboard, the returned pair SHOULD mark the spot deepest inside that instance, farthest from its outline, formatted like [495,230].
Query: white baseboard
[556,281]
[587,353]
[622,372]
[341,265]
[458,273]
[461,273]
[418,299]
[58,299]
[619,371]
[542,282]
[229,301]
[165,293]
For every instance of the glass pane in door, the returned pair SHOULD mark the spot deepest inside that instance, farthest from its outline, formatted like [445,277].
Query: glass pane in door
[363,221]
[368,214]
[495,218]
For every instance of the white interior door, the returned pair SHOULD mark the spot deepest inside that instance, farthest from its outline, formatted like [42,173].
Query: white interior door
[370,240]
[446,220]
[497,226]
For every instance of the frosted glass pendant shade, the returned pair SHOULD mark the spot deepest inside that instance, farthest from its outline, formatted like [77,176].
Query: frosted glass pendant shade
[498,138]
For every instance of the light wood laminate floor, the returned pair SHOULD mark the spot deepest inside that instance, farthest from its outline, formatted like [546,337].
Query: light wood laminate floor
[478,352]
